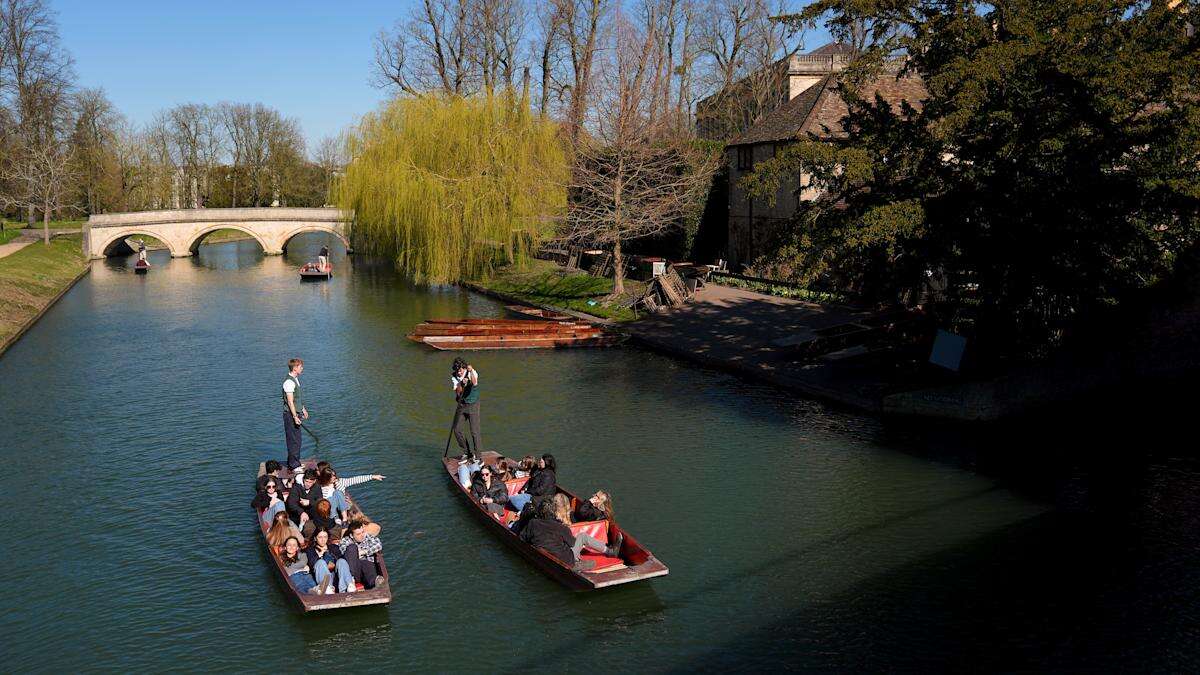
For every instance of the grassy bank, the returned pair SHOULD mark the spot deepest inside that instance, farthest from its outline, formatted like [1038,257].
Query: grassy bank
[32,278]
[545,283]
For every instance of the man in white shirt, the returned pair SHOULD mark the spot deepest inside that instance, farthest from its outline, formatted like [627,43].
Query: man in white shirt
[294,413]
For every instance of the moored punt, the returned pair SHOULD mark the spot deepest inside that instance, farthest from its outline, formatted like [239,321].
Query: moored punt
[380,595]
[537,313]
[510,334]
[635,563]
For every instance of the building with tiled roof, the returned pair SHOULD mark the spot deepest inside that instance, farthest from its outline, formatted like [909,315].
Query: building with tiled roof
[813,109]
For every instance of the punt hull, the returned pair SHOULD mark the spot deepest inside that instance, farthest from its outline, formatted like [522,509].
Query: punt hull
[647,566]
[380,595]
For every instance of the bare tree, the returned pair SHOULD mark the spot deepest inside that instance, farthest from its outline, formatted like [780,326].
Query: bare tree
[94,139]
[636,175]
[581,25]
[429,52]
[744,61]
[42,178]
[330,155]
[35,76]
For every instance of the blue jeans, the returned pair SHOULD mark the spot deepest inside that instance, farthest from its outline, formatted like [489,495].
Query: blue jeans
[303,582]
[519,500]
[465,471]
[269,514]
[344,577]
[338,503]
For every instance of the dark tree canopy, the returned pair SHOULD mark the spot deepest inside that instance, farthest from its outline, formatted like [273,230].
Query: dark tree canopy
[1054,166]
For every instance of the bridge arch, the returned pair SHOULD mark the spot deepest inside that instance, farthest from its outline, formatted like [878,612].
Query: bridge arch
[198,238]
[283,241]
[108,246]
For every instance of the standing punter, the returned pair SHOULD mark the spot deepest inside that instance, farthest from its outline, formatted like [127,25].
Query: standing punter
[465,381]
[294,413]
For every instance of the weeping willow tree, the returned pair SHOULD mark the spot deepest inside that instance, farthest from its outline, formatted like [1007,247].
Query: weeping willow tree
[450,186]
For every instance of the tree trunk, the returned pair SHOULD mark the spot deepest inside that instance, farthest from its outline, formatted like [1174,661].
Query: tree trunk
[618,270]
[46,224]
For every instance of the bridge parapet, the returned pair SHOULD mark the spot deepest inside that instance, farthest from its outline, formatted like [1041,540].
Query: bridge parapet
[182,230]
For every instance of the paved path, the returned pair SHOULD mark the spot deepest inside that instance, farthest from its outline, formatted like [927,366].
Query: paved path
[733,329]
[26,238]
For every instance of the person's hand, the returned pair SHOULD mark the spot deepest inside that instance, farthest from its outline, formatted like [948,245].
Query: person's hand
[305,413]
[305,502]
[485,500]
[303,518]
[378,477]
[296,419]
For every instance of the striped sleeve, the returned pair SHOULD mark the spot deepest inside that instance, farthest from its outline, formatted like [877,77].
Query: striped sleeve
[343,483]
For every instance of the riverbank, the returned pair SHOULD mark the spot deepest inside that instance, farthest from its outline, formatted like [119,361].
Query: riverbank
[542,283]
[33,279]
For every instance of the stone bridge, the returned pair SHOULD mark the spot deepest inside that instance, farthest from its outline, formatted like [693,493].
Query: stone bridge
[183,230]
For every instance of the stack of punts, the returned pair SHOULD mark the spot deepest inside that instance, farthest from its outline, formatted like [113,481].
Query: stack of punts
[510,334]
[634,564]
[380,595]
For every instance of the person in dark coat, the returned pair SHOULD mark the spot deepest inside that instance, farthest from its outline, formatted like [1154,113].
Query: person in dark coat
[549,532]
[303,497]
[541,485]
[489,490]
[597,507]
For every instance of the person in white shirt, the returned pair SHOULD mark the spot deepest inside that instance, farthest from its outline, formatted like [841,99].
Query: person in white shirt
[294,414]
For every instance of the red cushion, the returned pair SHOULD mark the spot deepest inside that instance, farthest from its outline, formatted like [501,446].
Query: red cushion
[603,563]
[596,528]
[514,486]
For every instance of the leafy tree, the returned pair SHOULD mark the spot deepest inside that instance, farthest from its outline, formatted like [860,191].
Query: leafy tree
[1053,167]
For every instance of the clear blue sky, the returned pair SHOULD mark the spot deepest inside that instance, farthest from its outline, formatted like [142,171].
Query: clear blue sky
[309,59]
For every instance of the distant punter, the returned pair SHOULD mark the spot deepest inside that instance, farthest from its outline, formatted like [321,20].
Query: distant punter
[294,413]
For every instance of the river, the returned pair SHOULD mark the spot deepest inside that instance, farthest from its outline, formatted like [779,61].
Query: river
[798,536]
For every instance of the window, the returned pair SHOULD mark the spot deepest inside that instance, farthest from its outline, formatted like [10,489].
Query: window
[745,157]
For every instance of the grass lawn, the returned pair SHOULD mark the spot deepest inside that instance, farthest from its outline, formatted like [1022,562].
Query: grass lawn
[7,235]
[32,277]
[544,282]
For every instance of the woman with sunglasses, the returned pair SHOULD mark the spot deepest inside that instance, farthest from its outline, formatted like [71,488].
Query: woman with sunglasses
[489,490]
[269,501]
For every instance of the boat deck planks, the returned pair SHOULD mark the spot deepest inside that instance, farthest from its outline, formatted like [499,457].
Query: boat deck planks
[498,333]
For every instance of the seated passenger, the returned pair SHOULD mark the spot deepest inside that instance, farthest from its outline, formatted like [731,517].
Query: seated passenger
[270,476]
[550,533]
[489,490]
[358,548]
[541,485]
[327,482]
[524,467]
[325,562]
[268,501]
[281,529]
[322,519]
[295,564]
[302,497]
[597,507]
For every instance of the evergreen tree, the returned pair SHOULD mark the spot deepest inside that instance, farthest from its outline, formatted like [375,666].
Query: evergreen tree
[1054,166]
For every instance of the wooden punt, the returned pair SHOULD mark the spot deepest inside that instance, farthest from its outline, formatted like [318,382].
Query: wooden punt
[380,595]
[311,271]
[637,562]
[459,342]
[141,267]
[538,313]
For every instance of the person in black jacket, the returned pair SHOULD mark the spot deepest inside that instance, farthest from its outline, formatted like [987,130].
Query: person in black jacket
[541,485]
[489,490]
[303,497]
[549,532]
[597,507]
